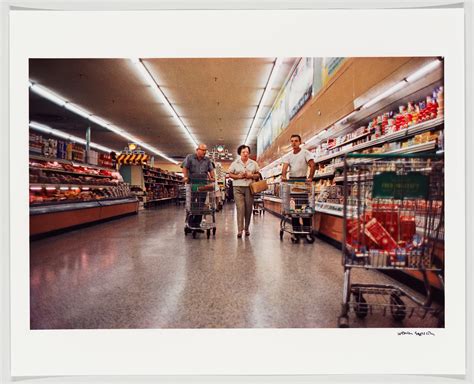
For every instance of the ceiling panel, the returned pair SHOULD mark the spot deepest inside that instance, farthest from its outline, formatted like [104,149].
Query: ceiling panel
[216,98]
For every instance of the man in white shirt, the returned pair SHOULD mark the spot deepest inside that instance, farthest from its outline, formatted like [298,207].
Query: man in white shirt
[298,161]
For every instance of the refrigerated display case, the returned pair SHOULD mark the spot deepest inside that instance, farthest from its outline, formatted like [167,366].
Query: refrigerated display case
[64,194]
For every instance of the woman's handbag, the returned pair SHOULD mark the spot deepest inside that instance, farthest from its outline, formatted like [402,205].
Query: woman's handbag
[258,186]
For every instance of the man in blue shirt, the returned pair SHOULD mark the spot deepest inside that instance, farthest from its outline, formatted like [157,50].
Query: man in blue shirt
[197,170]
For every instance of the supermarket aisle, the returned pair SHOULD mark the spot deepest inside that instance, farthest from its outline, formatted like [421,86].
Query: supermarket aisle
[142,272]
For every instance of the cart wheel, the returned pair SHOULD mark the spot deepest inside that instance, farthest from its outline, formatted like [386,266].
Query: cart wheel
[361,308]
[398,308]
[309,239]
[194,234]
[208,233]
[294,239]
[281,234]
[214,230]
[343,322]
[186,231]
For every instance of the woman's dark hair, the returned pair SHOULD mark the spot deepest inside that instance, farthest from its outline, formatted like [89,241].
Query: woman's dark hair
[243,146]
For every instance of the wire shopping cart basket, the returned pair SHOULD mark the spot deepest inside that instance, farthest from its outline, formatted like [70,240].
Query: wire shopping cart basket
[258,204]
[200,202]
[181,197]
[297,211]
[393,220]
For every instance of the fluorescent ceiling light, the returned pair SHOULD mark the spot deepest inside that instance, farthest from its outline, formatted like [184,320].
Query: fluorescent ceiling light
[99,121]
[385,94]
[271,80]
[47,94]
[413,77]
[424,70]
[162,97]
[78,111]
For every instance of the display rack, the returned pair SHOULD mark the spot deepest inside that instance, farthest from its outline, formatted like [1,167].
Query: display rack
[160,186]
[408,131]
[66,194]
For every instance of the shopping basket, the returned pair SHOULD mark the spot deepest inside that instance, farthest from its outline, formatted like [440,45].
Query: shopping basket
[393,220]
[200,202]
[297,209]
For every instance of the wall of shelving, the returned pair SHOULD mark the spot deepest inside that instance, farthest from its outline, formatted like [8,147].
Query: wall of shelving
[357,81]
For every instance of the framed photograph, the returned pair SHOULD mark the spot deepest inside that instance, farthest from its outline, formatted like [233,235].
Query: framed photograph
[134,244]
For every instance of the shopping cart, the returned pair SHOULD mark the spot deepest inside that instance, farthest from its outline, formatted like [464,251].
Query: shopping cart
[297,210]
[181,197]
[393,220]
[258,204]
[200,202]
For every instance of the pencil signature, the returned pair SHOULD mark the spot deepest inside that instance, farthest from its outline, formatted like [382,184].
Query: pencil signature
[416,333]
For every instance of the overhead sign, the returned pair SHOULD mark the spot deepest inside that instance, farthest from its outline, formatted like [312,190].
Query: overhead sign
[300,86]
[132,159]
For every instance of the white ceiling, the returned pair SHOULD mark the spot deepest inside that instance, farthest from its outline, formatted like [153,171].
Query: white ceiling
[215,98]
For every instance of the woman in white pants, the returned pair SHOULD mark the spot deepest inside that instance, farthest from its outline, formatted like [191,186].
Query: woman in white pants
[243,171]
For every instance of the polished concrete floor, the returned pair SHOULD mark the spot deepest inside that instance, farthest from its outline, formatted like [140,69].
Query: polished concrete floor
[142,272]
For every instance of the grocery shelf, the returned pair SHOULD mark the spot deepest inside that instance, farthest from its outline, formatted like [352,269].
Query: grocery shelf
[69,172]
[404,133]
[325,174]
[161,178]
[351,178]
[350,140]
[62,206]
[329,211]
[70,162]
[428,146]
[46,185]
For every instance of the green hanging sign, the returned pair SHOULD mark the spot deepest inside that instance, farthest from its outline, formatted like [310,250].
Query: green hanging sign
[389,185]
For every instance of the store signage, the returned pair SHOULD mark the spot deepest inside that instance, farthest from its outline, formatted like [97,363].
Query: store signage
[132,158]
[389,185]
[300,86]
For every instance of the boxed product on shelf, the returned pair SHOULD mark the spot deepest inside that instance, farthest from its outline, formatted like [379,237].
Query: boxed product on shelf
[385,124]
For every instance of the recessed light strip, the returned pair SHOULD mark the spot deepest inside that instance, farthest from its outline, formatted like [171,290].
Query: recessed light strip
[162,97]
[51,96]
[271,80]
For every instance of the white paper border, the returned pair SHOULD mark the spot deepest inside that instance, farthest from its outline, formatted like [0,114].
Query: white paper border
[33,351]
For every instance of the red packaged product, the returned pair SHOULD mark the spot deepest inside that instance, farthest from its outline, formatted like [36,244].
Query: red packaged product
[380,235]
[407,228]
[389,219]
[356,240]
